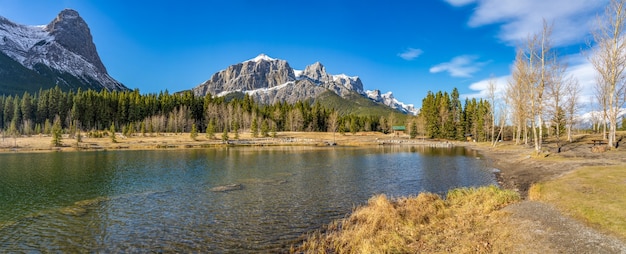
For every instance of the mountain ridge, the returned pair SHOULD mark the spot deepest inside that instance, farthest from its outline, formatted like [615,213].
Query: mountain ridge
[269,80]
[61,53]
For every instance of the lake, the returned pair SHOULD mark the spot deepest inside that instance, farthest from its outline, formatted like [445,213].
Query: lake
[162,201]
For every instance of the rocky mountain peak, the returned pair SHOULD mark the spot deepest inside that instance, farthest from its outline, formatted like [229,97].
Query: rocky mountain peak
[261,57]
[256,73]
[316,72]
[61,53]
[269,80]
[72,32]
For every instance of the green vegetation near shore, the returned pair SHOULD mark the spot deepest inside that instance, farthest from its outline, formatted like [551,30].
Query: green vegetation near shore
[468,220]
[592,194]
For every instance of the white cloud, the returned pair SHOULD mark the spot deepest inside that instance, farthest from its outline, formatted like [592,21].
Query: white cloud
[572,19]
[459,3]
[410,54]
[480,88]
[461,66]
[579,68]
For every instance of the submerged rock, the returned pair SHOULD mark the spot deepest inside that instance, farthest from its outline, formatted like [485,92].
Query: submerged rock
[73,211]
[228,187]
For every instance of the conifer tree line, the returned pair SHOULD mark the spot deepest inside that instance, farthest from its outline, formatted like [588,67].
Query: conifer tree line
[443,116]
[131,112]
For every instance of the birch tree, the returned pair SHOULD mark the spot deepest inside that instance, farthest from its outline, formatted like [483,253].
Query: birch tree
[516,94]
[491,94]
[609,60]
[539,55]
[555,93]
[573,91]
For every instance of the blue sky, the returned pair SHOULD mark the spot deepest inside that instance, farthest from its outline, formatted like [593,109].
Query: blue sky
[407,47]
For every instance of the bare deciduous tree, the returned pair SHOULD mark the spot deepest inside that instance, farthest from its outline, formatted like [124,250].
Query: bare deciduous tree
[609,60]
[539,56]
[516,94]
[555,93]
[491,94]
[573,91]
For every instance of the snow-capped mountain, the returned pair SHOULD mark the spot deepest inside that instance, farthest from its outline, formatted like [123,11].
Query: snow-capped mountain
[587,119]
[269,80]
[62,52]
[389,100]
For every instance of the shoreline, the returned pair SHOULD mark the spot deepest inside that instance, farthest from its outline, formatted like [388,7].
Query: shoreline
[519,169]
[42,143]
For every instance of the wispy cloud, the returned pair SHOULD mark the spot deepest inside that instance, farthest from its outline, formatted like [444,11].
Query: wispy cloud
[579,67]
[459,3]
[481,88]
[461,66]
[572,19]
[410,54]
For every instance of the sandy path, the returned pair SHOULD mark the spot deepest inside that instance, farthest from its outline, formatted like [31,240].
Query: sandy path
[542,228]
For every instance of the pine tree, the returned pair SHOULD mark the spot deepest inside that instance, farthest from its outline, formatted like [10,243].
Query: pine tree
[354,128]
[225,135]
[413,132]
[210,129]
[112,133]
[56,132]
[236,129]
[264,129]
[254,128]
[273,133]
[194,132]
[143,129]
[47,127]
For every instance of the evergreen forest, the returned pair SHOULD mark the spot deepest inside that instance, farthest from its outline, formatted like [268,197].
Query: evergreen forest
[131,112]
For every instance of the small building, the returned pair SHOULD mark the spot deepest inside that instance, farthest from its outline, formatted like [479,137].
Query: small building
[398,130]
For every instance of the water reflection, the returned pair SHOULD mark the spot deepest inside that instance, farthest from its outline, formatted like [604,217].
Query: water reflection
[143,201]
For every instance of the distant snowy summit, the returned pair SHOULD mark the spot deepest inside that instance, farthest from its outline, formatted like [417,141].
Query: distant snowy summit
[61,52]
[389,100]
[269,80]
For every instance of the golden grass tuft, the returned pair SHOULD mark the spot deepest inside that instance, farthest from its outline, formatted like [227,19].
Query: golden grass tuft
[592,194]
[469,220]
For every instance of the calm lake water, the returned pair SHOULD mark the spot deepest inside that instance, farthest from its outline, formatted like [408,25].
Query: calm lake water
[146,201]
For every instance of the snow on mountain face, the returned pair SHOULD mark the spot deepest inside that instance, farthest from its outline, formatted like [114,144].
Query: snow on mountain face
[16,40]
[269,80]
[64,45]
[389,100]
[261,57]
[586,120]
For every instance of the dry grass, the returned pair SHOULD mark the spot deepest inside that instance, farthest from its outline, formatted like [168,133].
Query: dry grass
[467,221]
[42,143]
[592,194]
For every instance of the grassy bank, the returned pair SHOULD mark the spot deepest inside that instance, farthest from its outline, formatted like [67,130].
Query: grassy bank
[594,195]
[466,221]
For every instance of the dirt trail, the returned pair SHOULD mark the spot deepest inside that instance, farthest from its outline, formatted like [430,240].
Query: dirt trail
[542,228]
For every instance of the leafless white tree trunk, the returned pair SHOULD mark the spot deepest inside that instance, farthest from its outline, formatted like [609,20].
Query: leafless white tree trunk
[491,94]
[555,101]
[573,91]
[517,95]
[539,55]
[609,60]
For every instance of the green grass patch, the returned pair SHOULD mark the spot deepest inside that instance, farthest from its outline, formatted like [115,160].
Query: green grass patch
[468,220]
[596,195]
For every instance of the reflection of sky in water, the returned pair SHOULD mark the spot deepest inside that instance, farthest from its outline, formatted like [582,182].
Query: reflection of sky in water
[161,200]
